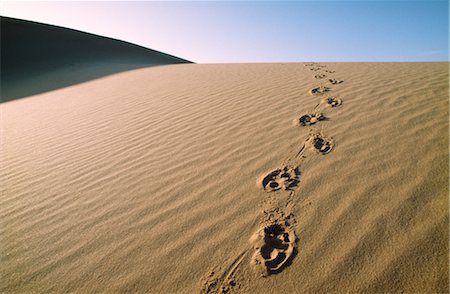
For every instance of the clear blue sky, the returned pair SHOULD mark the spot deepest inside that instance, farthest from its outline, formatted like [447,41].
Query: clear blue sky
[215,32]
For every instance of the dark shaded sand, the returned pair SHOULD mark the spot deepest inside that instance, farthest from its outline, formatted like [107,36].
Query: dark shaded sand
[37,57]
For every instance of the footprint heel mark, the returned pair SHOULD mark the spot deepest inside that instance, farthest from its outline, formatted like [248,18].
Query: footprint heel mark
[275,247]
[319,90]
[311,119]
[320,144]
[320,76]
[332,101]
[335,82]
[286,178]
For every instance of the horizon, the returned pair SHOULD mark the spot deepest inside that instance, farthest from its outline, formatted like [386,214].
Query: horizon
[260,32]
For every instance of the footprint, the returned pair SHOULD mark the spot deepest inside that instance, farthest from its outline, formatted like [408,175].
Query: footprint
[334,82]
[311,119]
[314,64]
[333,102]
[319,90]
[320,143]
[330,71]
[314,68]
[275,246]
[281,179]
[319,76]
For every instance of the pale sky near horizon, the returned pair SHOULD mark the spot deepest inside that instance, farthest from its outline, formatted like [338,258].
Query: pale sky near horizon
[227,32]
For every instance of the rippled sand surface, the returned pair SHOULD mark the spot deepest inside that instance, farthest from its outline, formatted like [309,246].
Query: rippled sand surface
[202,178]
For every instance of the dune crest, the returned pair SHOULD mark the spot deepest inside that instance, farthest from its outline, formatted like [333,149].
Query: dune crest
[37,57]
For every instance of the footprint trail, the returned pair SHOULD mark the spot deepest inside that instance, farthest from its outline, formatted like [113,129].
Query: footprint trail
[274,244]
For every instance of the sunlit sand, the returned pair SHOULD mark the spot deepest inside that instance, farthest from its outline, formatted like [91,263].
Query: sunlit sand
[189,178]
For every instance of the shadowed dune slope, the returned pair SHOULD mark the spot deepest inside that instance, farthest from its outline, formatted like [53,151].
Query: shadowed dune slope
[130,184]
[37,57]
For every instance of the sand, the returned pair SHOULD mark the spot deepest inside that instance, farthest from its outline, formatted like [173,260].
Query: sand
[38,58]
[196,178]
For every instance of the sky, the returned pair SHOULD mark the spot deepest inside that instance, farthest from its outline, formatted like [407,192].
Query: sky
[260,31]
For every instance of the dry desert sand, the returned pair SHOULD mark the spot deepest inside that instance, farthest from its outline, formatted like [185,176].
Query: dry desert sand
[209,178]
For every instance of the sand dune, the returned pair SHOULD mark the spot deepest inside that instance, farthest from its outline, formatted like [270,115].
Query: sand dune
[244,178]
[37,57]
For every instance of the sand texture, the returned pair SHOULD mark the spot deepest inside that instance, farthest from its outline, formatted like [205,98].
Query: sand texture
[258,178]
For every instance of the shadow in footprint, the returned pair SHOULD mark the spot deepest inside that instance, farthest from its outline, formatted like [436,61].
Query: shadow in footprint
[276,249]
[319,90]
[333,102]
[335,82]
[311,119]
[321,144]
[285,178]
